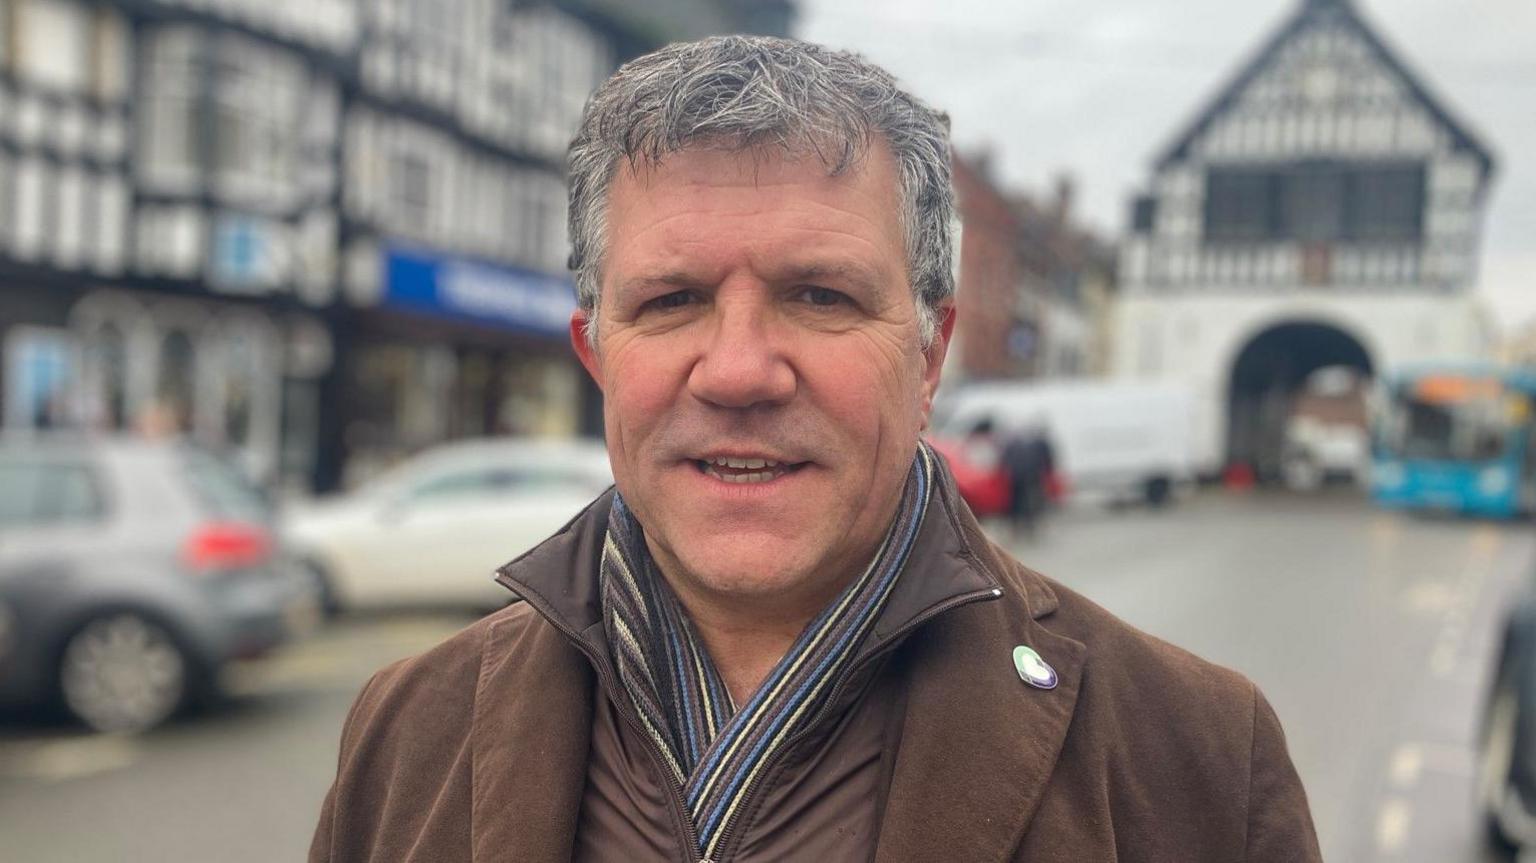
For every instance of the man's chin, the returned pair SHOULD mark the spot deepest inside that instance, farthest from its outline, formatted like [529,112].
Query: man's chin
[757,574]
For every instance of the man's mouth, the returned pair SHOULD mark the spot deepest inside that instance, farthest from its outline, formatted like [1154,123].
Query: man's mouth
[745,470]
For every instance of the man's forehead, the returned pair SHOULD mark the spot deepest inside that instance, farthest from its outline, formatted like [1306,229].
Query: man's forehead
[714,162]
[821,269]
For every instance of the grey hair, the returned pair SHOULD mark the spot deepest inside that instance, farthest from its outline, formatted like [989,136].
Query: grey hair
[747,92]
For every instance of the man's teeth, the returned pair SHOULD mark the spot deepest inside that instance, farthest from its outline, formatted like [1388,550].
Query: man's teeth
[725,469]
[749,463]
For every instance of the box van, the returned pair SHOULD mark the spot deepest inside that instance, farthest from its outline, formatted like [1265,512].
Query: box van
[1112,439]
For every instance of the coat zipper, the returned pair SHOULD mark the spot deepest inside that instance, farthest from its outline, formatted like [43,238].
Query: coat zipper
[695,854]
[891,641]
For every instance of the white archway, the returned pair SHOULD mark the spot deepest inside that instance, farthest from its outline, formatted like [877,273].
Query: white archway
[1266,370]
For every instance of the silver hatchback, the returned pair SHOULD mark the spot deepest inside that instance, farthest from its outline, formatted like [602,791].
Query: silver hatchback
[130,573]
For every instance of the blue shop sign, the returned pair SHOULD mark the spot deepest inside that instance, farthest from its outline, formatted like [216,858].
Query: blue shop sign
[485,293]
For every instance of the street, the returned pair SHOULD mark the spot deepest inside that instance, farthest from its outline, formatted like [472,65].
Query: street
[1368,631]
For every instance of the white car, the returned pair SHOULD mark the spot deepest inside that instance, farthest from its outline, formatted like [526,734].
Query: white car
[1317,451]
[432,530]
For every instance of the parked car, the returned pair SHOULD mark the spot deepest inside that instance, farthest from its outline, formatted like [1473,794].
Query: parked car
[432,530]
[1507,744]
[979,475]
[130,573]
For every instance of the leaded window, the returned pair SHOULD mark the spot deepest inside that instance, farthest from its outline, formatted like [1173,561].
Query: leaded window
[1387,203]
[1240,204]
[1315,202]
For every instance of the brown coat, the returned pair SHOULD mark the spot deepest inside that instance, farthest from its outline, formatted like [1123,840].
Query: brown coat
[480,749]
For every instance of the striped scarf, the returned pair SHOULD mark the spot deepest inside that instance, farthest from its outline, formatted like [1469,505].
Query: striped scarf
[714,749]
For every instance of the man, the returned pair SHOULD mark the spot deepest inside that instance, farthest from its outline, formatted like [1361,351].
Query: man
[1028,459]
[784,637]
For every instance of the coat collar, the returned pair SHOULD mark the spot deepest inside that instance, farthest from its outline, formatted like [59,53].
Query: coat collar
[978,744]
[528,744]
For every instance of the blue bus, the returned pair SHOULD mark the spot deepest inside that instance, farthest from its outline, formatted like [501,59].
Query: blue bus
[1456,438]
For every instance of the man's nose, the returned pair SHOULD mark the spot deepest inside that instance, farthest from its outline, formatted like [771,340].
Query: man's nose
[743,364]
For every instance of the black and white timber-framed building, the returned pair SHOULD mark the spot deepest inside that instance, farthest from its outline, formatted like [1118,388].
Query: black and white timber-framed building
[318,235]
[1323,210]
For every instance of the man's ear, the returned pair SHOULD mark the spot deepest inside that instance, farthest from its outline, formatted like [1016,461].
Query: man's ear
[933,357]
[580,321]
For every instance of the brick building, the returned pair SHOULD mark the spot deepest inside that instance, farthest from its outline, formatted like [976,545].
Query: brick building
[1035,288]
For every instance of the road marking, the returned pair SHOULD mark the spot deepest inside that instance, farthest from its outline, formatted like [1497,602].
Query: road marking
[282,672]
[1430,597]
[424,632]
[60,760]
[1406,763]
[1384,528]
[1486,539]
[1442,663]
[1466,590]
[340,658]
[1392,824]
[1445,759]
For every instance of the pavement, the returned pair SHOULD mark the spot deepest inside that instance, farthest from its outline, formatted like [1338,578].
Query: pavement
[1370,632]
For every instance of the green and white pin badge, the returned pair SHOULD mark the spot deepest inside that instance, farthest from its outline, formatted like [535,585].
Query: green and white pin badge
[1032,669]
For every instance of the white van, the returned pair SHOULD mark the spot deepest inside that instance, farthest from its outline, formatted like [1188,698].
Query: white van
[1114,440]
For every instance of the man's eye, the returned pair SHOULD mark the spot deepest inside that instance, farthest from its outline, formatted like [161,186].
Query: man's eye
[824,297]
[674,300]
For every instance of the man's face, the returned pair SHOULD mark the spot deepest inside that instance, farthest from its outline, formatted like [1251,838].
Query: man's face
[759,355]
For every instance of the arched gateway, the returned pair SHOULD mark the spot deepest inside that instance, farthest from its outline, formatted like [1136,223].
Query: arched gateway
[1267,380]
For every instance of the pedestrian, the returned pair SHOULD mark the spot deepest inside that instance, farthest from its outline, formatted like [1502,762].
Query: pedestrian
[1028,461]
[783,637]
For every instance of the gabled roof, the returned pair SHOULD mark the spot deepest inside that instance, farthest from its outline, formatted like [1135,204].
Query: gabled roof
[1344,12]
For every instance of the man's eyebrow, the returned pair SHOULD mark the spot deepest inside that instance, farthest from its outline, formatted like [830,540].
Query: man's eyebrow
[840,272]
[649,281]
[848,273]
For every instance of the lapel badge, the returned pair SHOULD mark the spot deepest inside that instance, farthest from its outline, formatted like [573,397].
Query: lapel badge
[1032,669]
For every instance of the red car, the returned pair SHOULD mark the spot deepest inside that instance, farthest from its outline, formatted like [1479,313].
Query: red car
[978,474]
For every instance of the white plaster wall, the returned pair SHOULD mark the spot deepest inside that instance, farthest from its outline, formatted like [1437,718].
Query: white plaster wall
[1195,340]
[1066,330]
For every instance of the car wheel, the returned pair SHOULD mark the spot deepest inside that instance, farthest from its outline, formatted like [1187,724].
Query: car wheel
[1509,823]
[122,672]
[1157,491]
[325,590]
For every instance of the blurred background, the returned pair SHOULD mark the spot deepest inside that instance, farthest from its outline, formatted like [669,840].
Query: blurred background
[1244,352]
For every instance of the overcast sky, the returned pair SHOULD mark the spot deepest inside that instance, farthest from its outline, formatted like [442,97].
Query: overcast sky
[1097,87]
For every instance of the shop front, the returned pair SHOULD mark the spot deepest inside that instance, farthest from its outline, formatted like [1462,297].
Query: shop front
[458,349]
[237,377]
